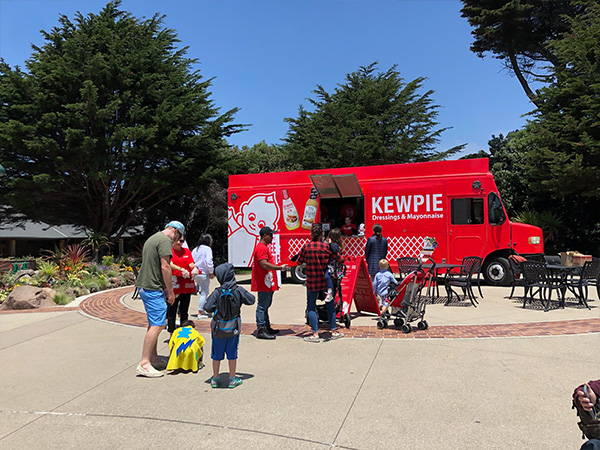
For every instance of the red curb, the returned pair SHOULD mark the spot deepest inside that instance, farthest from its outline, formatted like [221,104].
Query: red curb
[107,306]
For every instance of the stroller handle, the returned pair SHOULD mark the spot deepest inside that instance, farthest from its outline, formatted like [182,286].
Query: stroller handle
[429,260]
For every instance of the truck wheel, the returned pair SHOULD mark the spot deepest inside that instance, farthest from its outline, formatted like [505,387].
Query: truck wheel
[497,272]
[298,275]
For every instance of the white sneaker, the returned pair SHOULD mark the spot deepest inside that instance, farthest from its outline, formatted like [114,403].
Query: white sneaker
[150,372]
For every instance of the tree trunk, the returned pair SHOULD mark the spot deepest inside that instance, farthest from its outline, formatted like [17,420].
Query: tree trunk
[517,71]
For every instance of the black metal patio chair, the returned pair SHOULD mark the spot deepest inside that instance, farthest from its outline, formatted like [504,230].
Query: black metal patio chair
[471,265]
[515,273]
[538,281]
[590,272]
[406,265]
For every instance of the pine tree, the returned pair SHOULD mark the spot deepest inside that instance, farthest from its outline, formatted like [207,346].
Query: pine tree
[108,122]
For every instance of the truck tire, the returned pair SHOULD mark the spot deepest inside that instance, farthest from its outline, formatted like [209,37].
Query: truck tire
[298,275]
[497,272]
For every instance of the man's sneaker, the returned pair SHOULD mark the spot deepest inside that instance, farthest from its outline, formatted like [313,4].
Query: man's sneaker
[312,338]
[214,383]
[234,382]
[148,371]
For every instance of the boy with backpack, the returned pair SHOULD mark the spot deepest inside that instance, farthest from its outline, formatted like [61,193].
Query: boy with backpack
[225,303]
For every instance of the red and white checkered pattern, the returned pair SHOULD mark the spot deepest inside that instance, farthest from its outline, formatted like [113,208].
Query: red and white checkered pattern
[355,246]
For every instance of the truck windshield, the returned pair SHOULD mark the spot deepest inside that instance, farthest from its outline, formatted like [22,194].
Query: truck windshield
[495,211]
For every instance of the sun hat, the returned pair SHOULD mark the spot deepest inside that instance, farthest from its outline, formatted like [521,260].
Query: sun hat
[177,225]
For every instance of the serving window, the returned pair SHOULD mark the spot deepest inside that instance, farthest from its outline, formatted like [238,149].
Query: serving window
[340,198]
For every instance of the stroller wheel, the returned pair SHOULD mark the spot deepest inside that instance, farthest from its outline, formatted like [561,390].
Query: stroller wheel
[422,325]
[398,322]
[347,320]
[406,328]
[381,324]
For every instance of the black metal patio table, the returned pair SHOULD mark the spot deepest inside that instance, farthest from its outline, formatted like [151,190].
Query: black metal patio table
[442,266]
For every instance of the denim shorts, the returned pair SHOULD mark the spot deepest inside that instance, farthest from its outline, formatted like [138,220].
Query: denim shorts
[220,346]
[155,305]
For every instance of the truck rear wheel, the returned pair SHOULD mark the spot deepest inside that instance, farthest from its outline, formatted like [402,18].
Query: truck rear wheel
[298,275]
[497,272]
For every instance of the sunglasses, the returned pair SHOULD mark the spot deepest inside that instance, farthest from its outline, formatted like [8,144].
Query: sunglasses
[181,241]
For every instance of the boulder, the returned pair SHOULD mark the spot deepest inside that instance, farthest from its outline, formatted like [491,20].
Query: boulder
[29,297]
[24,273]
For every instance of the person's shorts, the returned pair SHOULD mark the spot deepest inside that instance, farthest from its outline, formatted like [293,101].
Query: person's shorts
[221,346]
[383,301]
[155,305]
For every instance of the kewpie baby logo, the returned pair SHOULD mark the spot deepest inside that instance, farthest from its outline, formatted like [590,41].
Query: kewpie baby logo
[260,210]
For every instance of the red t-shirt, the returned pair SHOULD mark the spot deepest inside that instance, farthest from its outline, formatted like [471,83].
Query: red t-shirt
[182,258]
[348,229]
[263,280]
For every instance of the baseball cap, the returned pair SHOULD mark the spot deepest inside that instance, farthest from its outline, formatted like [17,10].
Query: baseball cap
[177,225]
[266,230]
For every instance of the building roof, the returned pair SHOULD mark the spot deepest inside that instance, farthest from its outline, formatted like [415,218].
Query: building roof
[40,230]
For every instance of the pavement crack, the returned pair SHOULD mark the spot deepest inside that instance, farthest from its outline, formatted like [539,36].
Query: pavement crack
[356,396]
[165,420]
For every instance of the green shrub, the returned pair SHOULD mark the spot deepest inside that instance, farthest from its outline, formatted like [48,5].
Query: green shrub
[62,299]
[47,269]
[102,282]
[108,260]
[91,283]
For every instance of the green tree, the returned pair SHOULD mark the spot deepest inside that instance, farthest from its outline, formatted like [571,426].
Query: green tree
[564,161]
[108,123]
[373,118]
[520,33]
[260,158]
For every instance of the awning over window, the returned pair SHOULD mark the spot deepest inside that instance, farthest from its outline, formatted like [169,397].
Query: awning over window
[336,186]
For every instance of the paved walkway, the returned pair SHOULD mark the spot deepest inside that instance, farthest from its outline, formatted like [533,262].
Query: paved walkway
[68,381]
[496,316]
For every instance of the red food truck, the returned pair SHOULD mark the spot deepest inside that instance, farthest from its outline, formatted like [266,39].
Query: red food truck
[455,202]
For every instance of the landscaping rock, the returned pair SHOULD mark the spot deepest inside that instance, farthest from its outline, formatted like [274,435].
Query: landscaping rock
[24,273]
[29,297]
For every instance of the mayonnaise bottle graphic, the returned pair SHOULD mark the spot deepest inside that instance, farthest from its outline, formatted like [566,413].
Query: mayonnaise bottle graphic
[290,213]
[310,210]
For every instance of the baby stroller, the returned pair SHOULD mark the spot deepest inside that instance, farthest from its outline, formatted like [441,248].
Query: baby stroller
[406,302]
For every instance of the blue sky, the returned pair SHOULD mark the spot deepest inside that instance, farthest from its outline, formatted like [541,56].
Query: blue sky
[267,55]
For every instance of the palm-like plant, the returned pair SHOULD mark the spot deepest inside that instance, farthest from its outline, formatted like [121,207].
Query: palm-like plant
[96,242]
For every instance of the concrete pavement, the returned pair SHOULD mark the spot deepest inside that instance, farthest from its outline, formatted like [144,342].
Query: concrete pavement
[69,381]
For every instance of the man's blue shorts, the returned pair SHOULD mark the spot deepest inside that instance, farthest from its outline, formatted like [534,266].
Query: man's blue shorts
[220,346]
[155,304]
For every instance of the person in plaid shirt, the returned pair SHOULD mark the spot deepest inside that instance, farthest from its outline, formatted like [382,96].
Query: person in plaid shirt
[316,255]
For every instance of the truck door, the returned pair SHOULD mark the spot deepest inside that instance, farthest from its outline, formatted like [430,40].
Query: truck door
[467,229]
[499,229]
